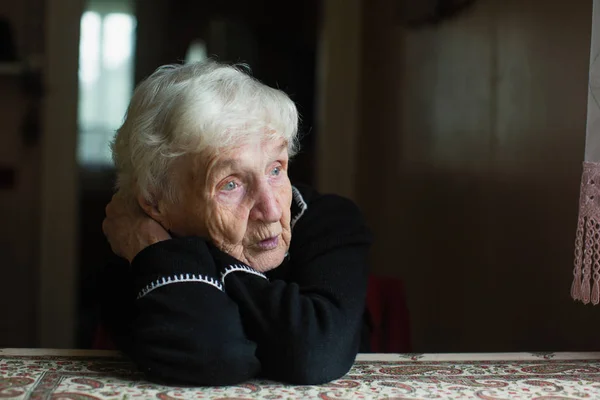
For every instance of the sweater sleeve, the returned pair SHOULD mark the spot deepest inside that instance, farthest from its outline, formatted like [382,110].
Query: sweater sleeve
[308,327]
[177,324]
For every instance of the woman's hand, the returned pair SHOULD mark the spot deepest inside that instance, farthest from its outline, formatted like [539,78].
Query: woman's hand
[128,229]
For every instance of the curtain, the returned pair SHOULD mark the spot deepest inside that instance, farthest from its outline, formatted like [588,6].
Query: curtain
[586,273]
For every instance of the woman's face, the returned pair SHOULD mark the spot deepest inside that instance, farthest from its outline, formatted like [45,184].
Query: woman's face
[240,198]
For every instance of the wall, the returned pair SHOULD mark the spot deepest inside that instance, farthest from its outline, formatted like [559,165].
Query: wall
[37,238]
[339,103]
[19,204]
[481,123]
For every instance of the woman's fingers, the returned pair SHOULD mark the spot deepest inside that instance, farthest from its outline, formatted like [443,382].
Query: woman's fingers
[129,230]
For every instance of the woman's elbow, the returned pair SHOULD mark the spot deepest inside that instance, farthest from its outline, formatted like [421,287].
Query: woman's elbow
[318,375]
[315,368]
[212,367]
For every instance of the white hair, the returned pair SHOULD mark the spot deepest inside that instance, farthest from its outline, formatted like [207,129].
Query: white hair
[189,108]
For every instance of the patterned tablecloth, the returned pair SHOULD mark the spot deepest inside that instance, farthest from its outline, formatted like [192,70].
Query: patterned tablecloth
[87,375]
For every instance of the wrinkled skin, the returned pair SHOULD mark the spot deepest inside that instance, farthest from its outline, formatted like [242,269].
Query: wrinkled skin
[238,198]
[128,229]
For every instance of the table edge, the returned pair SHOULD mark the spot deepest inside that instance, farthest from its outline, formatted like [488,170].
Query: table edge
[360,357]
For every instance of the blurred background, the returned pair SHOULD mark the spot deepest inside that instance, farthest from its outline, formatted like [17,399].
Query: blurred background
[458,126]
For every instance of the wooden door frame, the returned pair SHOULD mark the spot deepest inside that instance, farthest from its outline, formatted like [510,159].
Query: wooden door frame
[339,116]
[57,294]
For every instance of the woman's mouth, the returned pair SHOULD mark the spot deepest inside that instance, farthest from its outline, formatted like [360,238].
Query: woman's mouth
[269,244]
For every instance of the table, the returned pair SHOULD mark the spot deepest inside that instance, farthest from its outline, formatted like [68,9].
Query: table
[89,375]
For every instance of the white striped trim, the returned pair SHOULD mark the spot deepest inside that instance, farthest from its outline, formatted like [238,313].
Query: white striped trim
[181,278]
[240,267]
[301,203]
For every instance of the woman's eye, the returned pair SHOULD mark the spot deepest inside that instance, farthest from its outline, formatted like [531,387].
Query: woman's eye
[229,186]
[276,171]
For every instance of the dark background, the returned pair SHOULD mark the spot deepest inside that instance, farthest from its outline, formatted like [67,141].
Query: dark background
[459,134]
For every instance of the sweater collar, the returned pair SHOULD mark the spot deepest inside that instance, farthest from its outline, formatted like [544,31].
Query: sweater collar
[299,206]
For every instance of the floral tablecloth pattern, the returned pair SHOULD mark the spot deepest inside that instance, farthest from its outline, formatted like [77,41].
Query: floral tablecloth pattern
[90,375]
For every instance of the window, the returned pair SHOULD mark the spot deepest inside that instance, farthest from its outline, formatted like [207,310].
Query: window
[196,52]
[106,62]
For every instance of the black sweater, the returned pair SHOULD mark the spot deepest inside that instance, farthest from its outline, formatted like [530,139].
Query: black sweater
[187,313]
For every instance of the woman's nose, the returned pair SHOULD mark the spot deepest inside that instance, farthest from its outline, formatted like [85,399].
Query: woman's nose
[266,207]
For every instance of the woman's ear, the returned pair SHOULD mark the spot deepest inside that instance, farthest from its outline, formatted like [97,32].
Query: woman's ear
[154,209]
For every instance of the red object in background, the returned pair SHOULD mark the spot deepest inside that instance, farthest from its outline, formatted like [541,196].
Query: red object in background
[102,340]
[390,323]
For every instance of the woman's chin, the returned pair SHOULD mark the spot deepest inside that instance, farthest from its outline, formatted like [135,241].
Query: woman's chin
[264,261]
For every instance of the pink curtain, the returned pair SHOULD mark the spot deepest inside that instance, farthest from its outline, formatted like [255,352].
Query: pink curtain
[586,274]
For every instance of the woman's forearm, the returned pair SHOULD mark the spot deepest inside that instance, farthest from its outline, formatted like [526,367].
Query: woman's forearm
[181,328]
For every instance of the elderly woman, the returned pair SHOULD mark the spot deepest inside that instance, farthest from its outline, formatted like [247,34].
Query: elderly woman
[227,271]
